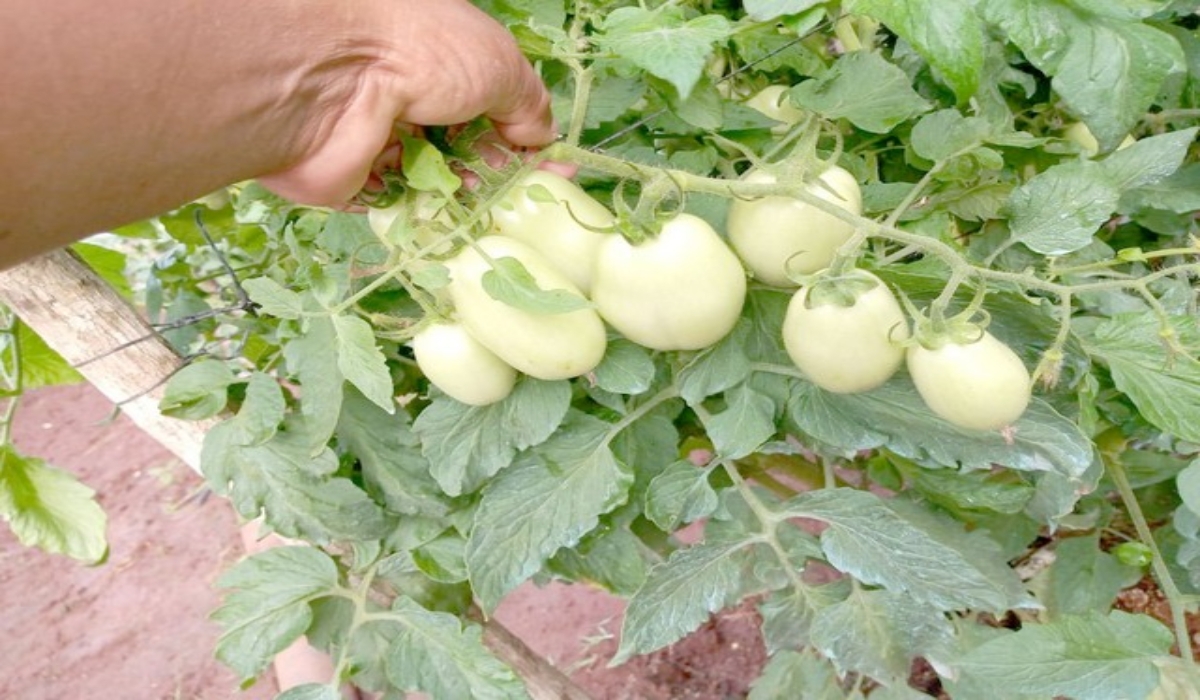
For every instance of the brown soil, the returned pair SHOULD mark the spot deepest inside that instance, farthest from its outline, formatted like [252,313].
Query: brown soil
[137,628]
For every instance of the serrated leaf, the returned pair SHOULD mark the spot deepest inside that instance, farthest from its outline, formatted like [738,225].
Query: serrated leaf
[1179,193]
[949,35]
[791,674]
[292,488]
[51,509]
[893,416]
[266,606]
[1165,389]
[1059,210]
[272,298]
[109,264]
[873,543]
[508,281]
[40,364]
[1107,69]
[425,167]
[971,490]
[615,560]
[939,135]
[261,412]
[467,445]
[435,654]
[879,633]
[664,42]
[1094,656]
[313,359]
[763,10]
[680,594]
[394,471]
[1084,579]
[788,614]
[197,391]
[1187,482]
[716,369]
[680,494]
[310,691]
[361,362]
[548,498]
[626,368]
[1149,160]
[746,423]
[863,87]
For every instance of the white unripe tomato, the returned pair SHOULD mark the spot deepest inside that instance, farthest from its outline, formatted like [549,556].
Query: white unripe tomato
[461,366]
[843,348]
[981,385]
[775,235]
[545,346]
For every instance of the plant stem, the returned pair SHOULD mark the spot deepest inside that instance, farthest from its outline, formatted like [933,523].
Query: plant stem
[1117,472]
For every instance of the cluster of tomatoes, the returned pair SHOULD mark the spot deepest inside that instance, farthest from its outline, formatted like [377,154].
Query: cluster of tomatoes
[683,289]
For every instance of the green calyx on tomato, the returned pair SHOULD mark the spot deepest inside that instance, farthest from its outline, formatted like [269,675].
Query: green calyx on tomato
[458,364]
[547,346]
[555,217]
[846,332]
[682,289]
[780,238]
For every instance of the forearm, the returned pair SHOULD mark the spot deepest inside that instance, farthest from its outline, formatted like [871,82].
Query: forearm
[118,110]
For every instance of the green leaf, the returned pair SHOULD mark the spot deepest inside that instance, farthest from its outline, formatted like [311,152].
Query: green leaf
[879,633]
[467,445]
[266,607]
[788,614]
[50,508]
[1084,578]
[614,560]
[313,360]
[626,369]
[763,10]
[680,494]
[971,490]
[746,423]
[106,262]
[1165,389]
[40,364]
[310,691]
[664,42]
[863,87]
[508,281]
[293,489]
[1059,210]
[937,566]
[261,412]
[361,362]
[791,674]
[425,167]
[1179,193]
[1188,484]
[894,417]
[1094,656]
[716,369]
[394,471]
[949,35]
[1149,160]
[549,498]
[272,298]
[197,391]
[939,135]
[1107,69]
[435,654]
[680,594]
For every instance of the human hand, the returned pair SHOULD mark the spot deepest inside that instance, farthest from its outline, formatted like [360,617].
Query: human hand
[430,62]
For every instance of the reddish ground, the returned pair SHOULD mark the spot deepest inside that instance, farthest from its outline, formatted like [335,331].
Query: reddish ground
[137,627]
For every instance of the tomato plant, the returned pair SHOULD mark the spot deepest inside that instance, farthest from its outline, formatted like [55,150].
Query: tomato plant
[874,533]
[779,237]
[461,366]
